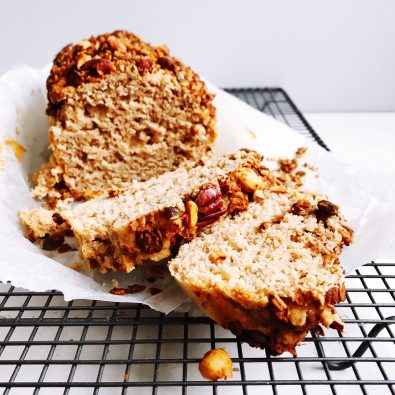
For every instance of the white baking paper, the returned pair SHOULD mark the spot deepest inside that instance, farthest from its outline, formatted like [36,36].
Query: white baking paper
[366,196]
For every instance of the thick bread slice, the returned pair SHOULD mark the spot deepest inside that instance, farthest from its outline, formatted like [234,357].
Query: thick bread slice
[271,273]
[149,220]
[121,109]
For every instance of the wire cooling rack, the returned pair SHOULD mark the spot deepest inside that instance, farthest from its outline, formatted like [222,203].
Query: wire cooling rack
[49,346]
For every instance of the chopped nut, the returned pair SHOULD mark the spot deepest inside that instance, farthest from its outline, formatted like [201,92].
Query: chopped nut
[131,289]
[171,213]
[149,241]
[258,196]
[166,63]
[144,65]
[288,165]
[301,207]
[98,66]
[57,218]
[325,209]
[52,242]
[82,59]
[208,193]
[192,213]
[85,44]
[217,256]
[238,201]
[249,179]
[301,151]
[297,315]
[216,364]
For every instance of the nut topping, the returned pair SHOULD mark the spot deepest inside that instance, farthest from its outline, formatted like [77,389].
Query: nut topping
[301,207]
[166,63]
[192,213]
[149,241]
[209,193]
[171,213]
[98,67]
[52,242]
[144,65]
[325,209]
[248,179]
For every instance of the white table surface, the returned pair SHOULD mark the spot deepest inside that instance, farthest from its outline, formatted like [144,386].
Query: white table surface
[362,137]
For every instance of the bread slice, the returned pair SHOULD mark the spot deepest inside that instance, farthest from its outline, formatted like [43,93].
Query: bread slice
[270,273]
[119,110]
[149,220]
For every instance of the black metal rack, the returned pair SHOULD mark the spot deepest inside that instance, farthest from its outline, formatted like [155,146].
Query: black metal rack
[49,346]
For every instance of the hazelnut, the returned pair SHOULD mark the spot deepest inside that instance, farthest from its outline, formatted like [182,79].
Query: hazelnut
[192,213]
[98,66]
[216,364]
[208,193]
[248,179]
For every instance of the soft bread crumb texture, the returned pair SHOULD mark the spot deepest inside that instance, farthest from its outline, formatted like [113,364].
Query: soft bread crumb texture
[267,271]
[145,222]
[120,110]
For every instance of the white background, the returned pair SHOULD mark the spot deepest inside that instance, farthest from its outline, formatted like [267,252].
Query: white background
[330,56]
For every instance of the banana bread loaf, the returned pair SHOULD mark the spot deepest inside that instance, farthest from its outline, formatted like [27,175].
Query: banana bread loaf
[121,109]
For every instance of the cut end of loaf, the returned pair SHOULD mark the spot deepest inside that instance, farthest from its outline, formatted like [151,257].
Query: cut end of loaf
[137,115]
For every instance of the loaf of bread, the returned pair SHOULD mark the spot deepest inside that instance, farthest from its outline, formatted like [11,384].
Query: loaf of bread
[119,110]
[271,273]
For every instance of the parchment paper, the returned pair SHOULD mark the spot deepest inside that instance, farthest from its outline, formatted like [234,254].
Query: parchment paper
[366,195]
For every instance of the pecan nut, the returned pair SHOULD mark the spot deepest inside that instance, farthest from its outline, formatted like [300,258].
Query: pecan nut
[149,241]
[144,65]
[326,209]
[166,63]
[52,242]
[301,207]
[98,67]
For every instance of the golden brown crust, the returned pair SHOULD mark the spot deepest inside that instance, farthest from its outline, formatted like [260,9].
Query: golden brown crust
[280,325]
[118,52]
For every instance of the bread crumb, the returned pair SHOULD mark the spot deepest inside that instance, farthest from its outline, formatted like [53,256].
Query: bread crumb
[18,149]
[114,283]
[125,377]
[251,133]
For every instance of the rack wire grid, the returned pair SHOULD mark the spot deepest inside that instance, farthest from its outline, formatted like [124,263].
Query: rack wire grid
[49,346]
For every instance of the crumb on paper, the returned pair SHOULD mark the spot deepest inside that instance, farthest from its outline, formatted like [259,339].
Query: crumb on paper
[75,266]
[17,131]
[131,289]
[125,377]
[310,167]
[301,151]
[216,364]
[114,283]
[251,133]
[18,149]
